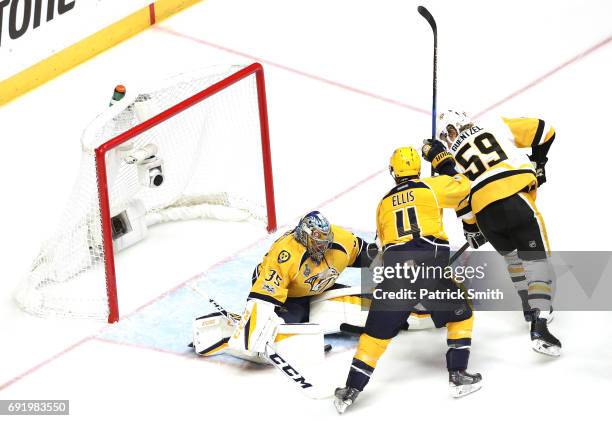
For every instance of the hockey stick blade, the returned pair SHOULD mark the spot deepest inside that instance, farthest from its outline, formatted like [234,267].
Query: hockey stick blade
[307,387]
[425,13]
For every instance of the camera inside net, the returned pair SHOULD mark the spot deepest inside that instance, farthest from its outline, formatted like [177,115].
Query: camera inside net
[150,166]
[151,172]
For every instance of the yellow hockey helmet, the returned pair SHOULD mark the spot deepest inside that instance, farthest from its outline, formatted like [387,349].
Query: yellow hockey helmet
[405,162]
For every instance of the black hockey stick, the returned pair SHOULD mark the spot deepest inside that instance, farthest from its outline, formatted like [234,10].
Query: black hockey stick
[432,22]
[429,18]
[458,253]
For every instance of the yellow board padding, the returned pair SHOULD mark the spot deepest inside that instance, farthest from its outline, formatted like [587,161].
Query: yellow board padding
[166,8]
[87,48]
[370,349]
[460,330]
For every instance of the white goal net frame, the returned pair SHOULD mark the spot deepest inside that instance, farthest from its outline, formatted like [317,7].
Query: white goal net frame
[182,209]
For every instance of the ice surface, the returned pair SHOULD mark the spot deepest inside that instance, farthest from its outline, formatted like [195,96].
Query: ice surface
[344,79]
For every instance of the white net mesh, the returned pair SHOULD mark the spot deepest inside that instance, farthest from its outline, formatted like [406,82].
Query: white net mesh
[212,167]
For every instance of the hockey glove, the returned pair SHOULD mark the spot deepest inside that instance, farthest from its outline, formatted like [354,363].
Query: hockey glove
[473,236]
[441,160]
[540,169]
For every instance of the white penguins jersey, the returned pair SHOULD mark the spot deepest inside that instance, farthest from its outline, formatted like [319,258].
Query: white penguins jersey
[490,157]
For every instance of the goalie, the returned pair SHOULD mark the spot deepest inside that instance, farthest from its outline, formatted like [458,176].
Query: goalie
[294,284]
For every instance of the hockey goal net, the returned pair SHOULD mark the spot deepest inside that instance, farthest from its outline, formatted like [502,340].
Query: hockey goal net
[195,146]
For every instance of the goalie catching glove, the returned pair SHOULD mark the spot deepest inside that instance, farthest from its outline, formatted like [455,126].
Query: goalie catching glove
[441,160]
[257,327]
[473,235]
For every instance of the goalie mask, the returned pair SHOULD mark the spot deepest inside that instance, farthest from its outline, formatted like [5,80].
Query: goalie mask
[314,232]
[450,124]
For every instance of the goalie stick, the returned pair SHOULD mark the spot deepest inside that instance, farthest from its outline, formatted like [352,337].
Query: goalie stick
[307,387]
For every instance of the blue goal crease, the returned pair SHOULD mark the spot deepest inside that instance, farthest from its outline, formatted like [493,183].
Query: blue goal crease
[166,323]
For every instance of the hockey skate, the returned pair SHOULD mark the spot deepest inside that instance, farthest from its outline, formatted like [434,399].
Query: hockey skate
[462,383]
[542,340]
[344,397]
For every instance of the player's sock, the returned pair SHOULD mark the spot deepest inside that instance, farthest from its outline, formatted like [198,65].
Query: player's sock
[539,284]
[460,382]
[368,352]
[359,374]
[519,281]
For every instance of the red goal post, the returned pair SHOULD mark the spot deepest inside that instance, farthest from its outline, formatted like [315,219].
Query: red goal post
[109,260]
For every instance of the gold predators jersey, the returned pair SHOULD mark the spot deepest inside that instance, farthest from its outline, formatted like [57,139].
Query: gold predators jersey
[490,157]
[414,208]
[288,271]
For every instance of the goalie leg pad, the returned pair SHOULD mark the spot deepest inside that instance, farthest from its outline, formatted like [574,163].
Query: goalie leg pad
[302,344]
[347,309]
[332,309]
[211,334]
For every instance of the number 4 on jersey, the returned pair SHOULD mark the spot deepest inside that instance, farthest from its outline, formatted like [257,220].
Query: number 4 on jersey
[412,222]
